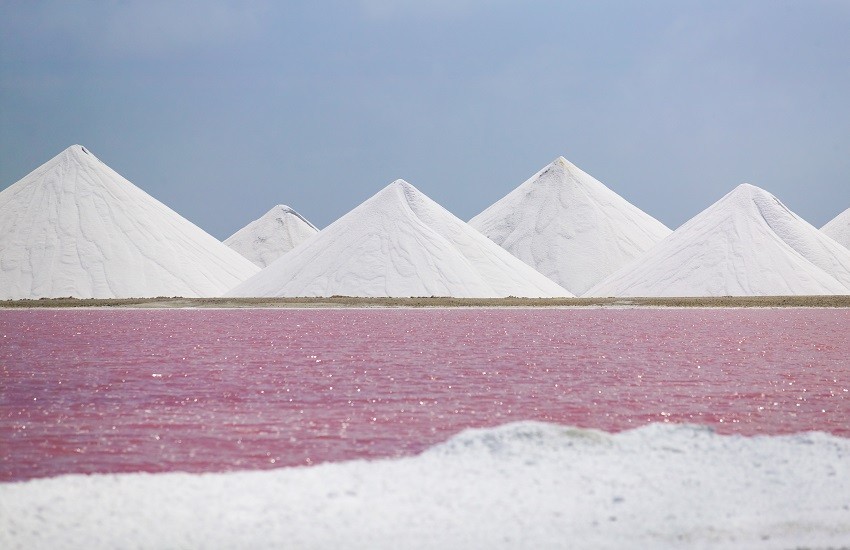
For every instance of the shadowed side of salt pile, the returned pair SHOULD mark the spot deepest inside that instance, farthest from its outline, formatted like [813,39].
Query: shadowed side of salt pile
[269,237]
[838,228]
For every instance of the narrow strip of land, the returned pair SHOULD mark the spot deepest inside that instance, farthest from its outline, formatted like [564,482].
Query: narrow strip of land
[349,301]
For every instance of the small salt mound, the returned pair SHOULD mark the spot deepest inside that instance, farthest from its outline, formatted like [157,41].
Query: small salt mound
[569,226]
[268,238]
[522,485]
[75,227]
[746,244]
[399,243]
[839,228]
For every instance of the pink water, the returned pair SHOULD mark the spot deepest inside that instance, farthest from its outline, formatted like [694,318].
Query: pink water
[213,390]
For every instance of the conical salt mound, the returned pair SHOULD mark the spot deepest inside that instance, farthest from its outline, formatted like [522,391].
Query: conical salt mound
[569,226]
[839,228]
[399,243]
[75,227]
[746,244]
[268,238]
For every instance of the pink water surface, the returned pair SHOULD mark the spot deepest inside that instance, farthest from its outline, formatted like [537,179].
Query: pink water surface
[213,390]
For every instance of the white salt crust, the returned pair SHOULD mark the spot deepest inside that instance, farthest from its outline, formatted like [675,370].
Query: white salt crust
[746,244]
[838,228]
[522,485]
[569,226]
[75,227]
[266,239]
[399,243]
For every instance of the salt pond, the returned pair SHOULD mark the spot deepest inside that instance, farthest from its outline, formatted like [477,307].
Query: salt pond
[213,390]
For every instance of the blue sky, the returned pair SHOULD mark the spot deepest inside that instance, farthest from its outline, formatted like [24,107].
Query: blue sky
[223,109]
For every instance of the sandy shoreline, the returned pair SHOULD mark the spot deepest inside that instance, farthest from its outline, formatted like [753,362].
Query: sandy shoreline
[353,302]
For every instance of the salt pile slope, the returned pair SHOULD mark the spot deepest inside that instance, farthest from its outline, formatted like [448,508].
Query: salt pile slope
[75,227]
[746,244]
[569,226]
[523,485]
[839,228]
[268,238]
[399,243]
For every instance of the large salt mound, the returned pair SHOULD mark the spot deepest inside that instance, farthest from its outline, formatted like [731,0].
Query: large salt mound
[268,238]
[399,243]
[569,226]
[75,227]
[746,244]
[523,485]
[839,228]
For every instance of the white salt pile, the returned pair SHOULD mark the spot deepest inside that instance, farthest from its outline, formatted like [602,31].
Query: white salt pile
[399,243]
[839,228]
[569,226]
[268,238]
[75,227]
[523,485]
[746,244]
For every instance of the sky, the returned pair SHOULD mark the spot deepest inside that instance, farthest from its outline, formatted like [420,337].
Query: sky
[223,109]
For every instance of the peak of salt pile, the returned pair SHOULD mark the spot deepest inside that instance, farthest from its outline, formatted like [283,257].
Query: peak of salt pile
[399,243]
[746,244]
[569,226]
[75,227]
[839,228]
[268,238]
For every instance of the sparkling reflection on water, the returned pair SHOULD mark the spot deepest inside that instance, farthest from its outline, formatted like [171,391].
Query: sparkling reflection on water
[211,390]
